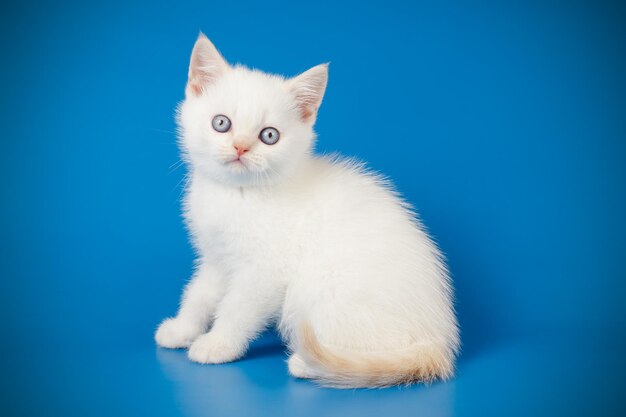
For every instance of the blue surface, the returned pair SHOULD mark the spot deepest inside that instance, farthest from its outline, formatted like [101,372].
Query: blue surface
[508,135]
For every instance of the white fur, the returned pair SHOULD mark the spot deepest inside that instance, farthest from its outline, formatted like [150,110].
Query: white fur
[290,237]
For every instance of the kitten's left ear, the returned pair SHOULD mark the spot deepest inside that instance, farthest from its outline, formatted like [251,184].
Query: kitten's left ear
[308,89]
[206,66]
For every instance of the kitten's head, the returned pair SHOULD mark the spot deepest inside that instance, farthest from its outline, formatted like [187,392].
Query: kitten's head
[244,127]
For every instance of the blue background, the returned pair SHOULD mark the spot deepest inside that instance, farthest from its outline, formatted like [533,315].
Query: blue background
[504,124]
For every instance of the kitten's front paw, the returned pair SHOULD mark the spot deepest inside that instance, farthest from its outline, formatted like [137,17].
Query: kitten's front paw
[175,333]
[212,348]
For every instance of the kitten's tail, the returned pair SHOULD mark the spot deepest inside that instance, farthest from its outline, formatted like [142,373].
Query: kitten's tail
[418,363]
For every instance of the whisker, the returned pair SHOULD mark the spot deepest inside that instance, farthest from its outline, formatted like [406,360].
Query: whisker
[175,166]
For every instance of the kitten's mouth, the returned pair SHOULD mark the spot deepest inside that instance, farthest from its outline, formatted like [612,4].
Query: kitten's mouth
[237,162]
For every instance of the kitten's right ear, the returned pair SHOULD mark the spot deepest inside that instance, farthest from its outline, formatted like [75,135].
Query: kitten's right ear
[206,66]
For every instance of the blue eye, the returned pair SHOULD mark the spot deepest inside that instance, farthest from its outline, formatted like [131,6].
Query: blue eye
[269,136]
[221,123]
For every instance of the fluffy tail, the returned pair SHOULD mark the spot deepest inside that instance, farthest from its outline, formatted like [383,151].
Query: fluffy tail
[418,363]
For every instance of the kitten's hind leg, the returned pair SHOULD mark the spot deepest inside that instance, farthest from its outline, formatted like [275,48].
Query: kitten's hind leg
[196,311]
[298,368]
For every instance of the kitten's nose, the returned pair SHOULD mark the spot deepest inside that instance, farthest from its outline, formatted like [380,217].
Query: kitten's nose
[241,149]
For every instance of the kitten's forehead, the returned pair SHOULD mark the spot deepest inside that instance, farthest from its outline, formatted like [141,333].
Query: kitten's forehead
[251,97]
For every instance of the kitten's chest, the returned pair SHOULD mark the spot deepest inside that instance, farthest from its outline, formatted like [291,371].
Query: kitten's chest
[239,222]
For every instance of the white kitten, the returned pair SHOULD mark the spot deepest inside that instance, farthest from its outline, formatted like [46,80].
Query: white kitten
[326,248]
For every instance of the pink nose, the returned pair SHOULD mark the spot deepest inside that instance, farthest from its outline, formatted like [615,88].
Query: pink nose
[241,149]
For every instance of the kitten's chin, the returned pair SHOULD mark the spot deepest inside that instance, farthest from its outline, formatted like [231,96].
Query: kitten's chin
[246,173]
[240,172]
[233,174]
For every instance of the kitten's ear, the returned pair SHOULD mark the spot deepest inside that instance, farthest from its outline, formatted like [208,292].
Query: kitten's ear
[308,89]
[206,66]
